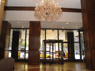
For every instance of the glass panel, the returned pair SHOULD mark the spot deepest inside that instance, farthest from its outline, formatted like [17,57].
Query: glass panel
[76,36]
[55,51]
[50,47]
[77,50]
[9,54]
[41,55]
[65,49]
[60,47]
[27,40]
[47,46]
[56,55]
[51,56]
[11,35]
[48,56]
[82,44]
[42,37]
[26,56]
[22,40]
[51,35]
[55,47]
[21,54]
[42,46]
[63,35]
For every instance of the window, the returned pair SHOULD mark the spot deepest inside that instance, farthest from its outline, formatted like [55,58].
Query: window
[51,35]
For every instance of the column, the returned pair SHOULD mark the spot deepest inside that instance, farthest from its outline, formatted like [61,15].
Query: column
[4,38]
[34,43]
[2,2]
[71,46]
[15,44]
[88,14]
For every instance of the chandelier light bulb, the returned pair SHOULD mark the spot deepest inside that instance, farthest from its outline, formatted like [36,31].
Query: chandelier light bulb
[36,4]
[57,3]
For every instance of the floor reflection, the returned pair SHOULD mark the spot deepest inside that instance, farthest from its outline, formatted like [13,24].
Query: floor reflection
[67,66]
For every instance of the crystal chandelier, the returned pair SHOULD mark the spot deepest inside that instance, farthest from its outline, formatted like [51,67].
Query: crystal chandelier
[48,11]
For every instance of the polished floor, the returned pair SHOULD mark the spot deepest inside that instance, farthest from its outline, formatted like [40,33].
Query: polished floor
[67,66]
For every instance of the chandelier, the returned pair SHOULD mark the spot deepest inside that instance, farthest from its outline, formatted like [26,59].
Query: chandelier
[48,11]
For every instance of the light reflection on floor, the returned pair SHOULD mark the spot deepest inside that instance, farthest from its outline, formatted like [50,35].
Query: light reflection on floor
[67,66]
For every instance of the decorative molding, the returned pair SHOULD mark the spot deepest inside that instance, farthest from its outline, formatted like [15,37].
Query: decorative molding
[33,8]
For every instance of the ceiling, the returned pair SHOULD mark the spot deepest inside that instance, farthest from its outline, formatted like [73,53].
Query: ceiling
[60,25]
[30,3]
[74,19]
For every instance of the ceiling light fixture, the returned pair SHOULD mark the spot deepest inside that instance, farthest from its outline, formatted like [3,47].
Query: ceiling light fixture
[48,11]
[22,27]
[67,23]
[18,22]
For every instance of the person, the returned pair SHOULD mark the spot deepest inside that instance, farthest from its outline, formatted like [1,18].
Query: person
[62,57]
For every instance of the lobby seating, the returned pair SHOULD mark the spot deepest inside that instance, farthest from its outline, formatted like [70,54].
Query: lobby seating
[7,64]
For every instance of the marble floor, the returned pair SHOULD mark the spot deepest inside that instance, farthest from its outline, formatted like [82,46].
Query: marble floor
[67,66]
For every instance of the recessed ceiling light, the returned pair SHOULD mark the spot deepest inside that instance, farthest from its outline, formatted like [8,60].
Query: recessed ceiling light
[22,27]
[18,22]
[67,23]
[76,26]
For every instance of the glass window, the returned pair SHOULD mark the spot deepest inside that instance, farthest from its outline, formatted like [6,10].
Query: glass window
[56,55]
[9,54]
[48,55]
[10,45]
[41,55]
[27,40]
[42,37]
[55,47]
[60,47]
[22,49]
[26,56]
[51,35]
[82,44]
[65,49]
[21,54]
[22,40]
[76,36]
[77,50]
[47,46]
[63,35]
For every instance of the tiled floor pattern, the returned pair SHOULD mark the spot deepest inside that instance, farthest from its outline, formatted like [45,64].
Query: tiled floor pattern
[67,66]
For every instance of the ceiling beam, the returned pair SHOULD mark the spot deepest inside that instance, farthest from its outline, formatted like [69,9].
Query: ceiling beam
[33,8]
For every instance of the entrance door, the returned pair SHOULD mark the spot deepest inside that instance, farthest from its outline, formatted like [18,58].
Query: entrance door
[53,51]
[57,52]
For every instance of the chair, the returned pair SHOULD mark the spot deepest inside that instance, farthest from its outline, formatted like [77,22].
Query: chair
[7,64]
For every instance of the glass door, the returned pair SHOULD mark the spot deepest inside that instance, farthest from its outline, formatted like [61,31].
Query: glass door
[48,52]
[65,48]
[53,52]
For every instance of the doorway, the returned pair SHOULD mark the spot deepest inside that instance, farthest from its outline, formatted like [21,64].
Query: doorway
[53,51]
